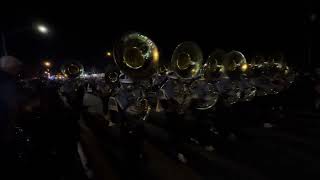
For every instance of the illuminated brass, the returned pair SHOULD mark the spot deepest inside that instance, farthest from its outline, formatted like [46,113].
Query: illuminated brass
[234,60]
[133,58]
[136,55]
[72,70]
[213,68]
[113,76]
[184,61]
[187,60]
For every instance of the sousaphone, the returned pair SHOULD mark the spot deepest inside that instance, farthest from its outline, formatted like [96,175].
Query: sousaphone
[136,55]
[234,61]
[187,60]
[72,69]
[213,68]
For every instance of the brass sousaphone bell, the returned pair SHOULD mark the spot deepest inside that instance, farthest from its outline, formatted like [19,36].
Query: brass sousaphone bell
[213,67]
[72,69]
[187,60]
[136,55]
[234,61]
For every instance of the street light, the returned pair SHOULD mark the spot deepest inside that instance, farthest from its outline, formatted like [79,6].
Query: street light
[42,29]
[108,54]
[47,64]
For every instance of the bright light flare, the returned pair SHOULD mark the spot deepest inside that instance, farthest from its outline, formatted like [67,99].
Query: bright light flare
[108,53]
[47,64]
[42,29]
[155,55]
[244,67]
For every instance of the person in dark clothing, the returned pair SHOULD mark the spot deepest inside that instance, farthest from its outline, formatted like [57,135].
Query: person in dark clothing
[7,104]
[55,134]
[9,67]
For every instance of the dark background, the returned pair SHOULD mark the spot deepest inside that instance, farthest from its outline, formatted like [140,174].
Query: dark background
[84,32]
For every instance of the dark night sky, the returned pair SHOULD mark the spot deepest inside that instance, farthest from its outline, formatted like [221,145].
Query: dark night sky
[84,33]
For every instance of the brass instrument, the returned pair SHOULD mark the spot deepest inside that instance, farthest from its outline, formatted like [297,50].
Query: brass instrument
[204,94]
[213,68]
[72,69]
[234,86]
[187,60]
[278,64]
[261,71]
[162,69]
[143,107]
[136,55]
[204,89]
[279,73]
[113,77]
[186,63]
[234,61]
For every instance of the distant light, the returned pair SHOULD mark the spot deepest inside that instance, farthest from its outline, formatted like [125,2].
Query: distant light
[108,54]
[47,64]
[42,29]
[244,67]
